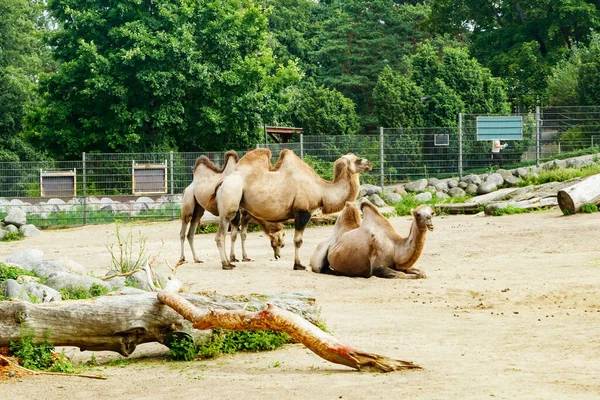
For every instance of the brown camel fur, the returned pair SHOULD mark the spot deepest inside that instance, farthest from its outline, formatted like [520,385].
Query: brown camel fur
[291,189]
[372,246]
[194,204]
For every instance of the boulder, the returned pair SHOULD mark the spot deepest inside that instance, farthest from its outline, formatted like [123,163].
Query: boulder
[368,189]
[26,259]
[496,179]
[392,198]
[376,200]
[14,290]
[520,172]
[512,180]
[416,186]
[441,186]
[16,217]
[29,230]
[423,197]
[11,229]
[456,192]
[74,281]
[401,191]
[471,188]
[487,187]
[471,179]
[441,195]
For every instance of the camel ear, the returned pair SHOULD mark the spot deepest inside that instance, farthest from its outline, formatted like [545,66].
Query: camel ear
[414,212]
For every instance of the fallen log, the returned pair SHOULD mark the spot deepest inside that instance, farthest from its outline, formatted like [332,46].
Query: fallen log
[277,319]
[121,322]
[572,198]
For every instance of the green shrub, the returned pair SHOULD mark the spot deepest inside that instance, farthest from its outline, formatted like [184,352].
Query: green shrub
[12,272]
[509,210]
[13,237]
[32,355]
[82,293]
[589,208]
[225,341]
[408,203]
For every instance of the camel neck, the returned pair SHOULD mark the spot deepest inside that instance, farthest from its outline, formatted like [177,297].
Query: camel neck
[336,193]
[410,253]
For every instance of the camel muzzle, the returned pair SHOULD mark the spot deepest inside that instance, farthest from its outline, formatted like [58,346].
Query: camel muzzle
[430,226]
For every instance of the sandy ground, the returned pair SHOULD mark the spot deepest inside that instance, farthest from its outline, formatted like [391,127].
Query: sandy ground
[510,309]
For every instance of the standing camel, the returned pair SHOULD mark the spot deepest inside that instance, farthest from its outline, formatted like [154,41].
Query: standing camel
[372,246]
[194,204]
[291,189]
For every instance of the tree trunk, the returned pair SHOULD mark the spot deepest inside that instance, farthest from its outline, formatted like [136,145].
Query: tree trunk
[273,318]
[572,198]
[121,322]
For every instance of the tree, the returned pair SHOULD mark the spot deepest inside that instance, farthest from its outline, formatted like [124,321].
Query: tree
[21,60]
[358,40]
[143,75]
[322,111]
[519,41]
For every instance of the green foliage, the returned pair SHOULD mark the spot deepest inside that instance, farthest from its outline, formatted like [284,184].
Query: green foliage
[82,293]
[158,75]
[63,364]
[128,253]
[322,168]
[12,272]
[183,350]
[560,175]
[228,342]
[409,202]
[509,210]
[398,100]
[32,355]
[589,208]
[13,236]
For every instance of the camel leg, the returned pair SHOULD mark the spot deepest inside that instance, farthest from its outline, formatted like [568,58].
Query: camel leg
[220,239]
[300,223]
[419,274]
[235,223]
[198,213]
[382,271]
[184,225]
[245,220]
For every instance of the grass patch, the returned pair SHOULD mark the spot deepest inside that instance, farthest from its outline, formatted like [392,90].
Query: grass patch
[40,356]
[12,272]
[409,202]
[560,175]
[13,237]
[589,208]
[82,293]
[510,210]
[224,341]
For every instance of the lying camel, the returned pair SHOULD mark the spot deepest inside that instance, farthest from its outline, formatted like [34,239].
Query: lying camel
[291,189]
[372,247]
[194,204]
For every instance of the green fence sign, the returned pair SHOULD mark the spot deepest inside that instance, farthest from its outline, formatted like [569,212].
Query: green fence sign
[500,128]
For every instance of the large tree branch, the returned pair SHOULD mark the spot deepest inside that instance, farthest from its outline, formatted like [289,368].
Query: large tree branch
[276,319]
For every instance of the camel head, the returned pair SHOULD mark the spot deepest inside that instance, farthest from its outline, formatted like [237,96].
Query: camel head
[356,164]
[423,215]
[277,242]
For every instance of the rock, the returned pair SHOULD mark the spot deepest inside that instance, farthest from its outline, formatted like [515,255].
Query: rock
[110,208]
[471,188]
[416,186]
[512,180]
[441,195]
[430,189]
[575,163]
[49,268]
[423,197]
[504,173]
[376,200]
[106,200]
[26,259]
[452,183]
[56,201]
[520,172]
[496,179]
[432,181]
[74,281]
[2,233]
[43,293]
[17,203]
[71,266]
[456,192]
[11,229]
[471,179]
[13,290]
[487,187]
[29,230]
[16,217]
[145,200]
[392,198]
[370,189]
[441,186]
[401,191]
[463,185]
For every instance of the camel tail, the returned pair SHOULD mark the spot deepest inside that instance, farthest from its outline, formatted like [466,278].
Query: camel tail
[212,200]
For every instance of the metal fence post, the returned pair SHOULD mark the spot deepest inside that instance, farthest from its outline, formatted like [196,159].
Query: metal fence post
[84,189]
[538,134]
[381,174]
[172,200]
[302,146]
[460,146]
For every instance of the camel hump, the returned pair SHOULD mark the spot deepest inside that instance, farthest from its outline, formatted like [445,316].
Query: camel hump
[230,154]
[366,204]
[284,155]
[257,156]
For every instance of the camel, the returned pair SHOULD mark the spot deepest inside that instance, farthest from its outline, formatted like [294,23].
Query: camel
[194,204]
[290,189]
[372,246]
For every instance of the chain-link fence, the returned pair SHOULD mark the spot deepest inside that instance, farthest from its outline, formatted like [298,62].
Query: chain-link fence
[105,187]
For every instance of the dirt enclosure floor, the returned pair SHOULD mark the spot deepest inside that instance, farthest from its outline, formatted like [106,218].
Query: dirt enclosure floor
[510,309]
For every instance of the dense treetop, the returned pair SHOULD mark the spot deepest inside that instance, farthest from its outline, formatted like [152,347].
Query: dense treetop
[196,75]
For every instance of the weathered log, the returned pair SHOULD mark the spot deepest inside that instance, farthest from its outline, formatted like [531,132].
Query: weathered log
[273,318]
[121,322]
[530,204]
[572,198]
